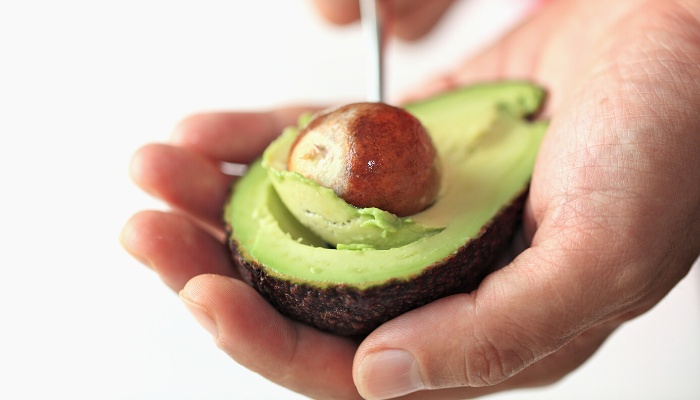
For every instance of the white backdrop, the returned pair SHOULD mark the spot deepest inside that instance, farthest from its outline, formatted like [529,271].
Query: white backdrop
[85,83]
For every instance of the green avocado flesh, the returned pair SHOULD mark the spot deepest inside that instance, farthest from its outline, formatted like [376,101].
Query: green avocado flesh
[487,147]
[338,223]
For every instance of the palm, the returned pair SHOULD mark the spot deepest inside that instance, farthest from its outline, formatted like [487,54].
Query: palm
[587,194]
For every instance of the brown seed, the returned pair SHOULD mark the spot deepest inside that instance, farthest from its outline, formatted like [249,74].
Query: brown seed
[371,155]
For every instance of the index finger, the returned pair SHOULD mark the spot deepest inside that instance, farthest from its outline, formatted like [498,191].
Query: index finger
[235,137]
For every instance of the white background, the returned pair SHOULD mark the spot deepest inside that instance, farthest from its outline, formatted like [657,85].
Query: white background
[85,83]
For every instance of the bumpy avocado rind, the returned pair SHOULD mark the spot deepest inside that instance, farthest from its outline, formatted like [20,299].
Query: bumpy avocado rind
[487,143]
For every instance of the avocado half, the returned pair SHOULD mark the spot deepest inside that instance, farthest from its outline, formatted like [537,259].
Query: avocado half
[487,144]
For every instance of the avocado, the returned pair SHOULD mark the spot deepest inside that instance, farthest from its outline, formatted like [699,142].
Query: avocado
[487,145]
[330,217]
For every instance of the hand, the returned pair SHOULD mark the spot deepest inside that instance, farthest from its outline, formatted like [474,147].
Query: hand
[612,218]
[185,247]
[405,19]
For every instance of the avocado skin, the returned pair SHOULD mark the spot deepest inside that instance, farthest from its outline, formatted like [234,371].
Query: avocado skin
[348,311]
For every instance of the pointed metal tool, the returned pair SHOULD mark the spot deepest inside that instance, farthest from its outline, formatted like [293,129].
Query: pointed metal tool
[372,31]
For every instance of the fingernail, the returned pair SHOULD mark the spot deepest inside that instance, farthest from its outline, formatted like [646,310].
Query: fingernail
[202,316]
[389,373]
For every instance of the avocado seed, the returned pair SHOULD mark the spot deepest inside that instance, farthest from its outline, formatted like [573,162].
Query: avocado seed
[370,155]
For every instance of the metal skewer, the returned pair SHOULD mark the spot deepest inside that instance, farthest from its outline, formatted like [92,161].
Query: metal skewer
[372,31]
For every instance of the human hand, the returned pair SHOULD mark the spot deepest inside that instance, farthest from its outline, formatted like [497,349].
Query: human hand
[185,247]
[612,218]
[405,19]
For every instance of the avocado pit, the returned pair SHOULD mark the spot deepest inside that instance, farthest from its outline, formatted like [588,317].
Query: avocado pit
[372,155]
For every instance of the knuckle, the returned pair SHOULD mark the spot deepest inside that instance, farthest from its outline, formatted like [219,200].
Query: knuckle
[486,363]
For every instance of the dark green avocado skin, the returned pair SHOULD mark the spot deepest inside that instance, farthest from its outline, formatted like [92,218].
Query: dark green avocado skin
[349,311]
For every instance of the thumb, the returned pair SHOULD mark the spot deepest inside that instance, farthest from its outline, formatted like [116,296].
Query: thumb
[519,315]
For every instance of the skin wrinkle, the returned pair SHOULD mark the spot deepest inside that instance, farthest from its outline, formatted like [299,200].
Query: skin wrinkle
[494,366]
[650,291]
[499,364]
[572,216]
[597,309]
[575,249]
[555,375]
[653,108]
[664,34]
[462,372]
[529,350]
[630,18]
[642,167]
[588,160]
[485,364]
[592,151]
[656,146]
[626,193]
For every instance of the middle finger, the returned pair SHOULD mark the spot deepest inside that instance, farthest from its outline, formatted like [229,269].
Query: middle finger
[184,179]
[175,248]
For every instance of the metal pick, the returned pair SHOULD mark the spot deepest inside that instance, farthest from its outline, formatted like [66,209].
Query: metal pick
[372,31]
